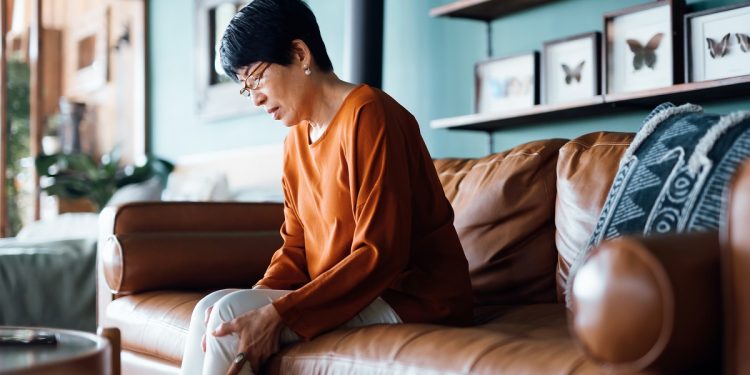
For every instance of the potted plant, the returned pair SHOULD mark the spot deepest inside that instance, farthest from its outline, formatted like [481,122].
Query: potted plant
[78,175]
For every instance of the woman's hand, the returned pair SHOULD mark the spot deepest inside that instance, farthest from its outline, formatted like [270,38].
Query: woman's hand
[259,332]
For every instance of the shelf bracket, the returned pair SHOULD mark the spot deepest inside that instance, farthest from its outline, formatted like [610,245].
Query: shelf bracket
[489,39]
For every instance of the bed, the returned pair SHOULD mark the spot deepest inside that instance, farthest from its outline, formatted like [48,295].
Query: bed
[47,274]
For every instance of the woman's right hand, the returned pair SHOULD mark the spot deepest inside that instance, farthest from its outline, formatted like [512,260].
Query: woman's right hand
[206,316]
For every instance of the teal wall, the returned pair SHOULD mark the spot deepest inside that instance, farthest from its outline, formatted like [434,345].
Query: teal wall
[428,67]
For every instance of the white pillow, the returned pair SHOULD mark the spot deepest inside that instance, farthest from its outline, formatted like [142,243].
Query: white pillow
[146,191]
[197,186]
[65,226]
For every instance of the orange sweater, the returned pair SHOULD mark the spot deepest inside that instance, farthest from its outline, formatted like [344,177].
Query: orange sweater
[365,217]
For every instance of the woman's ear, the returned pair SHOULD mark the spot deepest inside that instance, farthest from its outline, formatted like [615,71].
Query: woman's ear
[301,52]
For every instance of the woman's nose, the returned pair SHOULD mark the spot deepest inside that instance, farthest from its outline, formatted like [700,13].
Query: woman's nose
[258,98]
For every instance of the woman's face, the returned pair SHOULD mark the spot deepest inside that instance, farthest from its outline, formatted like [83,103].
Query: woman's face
[278,90]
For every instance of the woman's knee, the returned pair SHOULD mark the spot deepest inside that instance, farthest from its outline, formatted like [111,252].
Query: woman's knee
[208,301]
[239,302]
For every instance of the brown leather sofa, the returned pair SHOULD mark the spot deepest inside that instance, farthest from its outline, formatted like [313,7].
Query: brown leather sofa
[522,215]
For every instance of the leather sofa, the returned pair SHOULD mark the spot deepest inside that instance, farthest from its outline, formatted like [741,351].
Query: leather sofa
[522,216]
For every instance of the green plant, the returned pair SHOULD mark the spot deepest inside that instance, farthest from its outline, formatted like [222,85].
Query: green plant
[18,140]
[77,175]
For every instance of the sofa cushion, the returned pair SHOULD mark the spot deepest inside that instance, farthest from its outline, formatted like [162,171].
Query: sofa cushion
[516,339]
[529,339]
[154,323]
[585,170]
[504,206]
[673,175]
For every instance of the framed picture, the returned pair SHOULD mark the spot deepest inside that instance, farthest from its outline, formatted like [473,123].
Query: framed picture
[718,43]
[571,68]
[91,51]
[216,96]
[643,47]
[507,83]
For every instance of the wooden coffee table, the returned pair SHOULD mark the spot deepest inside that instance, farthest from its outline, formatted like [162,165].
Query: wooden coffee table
[75,353]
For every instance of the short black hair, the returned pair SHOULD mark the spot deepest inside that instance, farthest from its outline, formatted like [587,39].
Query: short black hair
[264,30]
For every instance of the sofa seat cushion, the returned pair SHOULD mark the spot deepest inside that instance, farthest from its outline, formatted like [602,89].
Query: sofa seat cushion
[154,323]
[530,339]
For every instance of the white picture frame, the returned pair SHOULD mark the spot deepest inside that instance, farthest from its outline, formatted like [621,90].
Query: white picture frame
[640,47]
[717,43]
[215,101]
[571,69]
[90,45]
[507,84]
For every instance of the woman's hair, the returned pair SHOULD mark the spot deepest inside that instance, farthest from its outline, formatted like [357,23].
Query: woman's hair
[264,30]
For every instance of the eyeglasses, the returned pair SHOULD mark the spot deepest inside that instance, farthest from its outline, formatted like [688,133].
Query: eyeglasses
[253,81]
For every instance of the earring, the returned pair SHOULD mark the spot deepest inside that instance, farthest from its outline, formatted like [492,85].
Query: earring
[307,70]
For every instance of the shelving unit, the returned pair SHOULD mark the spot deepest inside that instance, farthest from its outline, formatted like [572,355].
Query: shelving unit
[488,10]
[484,10]
[726,88]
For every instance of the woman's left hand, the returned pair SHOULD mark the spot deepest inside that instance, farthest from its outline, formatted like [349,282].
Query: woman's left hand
[259,332]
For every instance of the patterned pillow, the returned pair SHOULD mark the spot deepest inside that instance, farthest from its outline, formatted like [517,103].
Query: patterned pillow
[672,176]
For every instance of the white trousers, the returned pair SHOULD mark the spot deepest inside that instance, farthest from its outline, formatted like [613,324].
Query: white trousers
[230,303]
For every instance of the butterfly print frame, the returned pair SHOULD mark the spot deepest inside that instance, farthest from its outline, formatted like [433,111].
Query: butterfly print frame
[507,84]
[571,68]
[717,43]
[642,47]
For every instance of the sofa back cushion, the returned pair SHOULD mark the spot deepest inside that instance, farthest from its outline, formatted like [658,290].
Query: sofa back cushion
[586,168]
[504,215]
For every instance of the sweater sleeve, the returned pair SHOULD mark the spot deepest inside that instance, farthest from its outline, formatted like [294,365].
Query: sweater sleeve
[288,268]
[377,165]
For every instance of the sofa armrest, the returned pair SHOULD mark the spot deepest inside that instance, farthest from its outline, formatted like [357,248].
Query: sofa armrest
[183,245]
[736,271]
[653,303]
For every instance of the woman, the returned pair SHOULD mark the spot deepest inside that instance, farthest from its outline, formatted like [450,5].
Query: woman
[368,235]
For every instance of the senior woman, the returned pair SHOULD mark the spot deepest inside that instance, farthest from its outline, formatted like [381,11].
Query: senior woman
[368,234]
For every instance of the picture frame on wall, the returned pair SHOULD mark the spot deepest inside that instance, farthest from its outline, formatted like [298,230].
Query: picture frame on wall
[216,97]
[718,43]
[91,52]
[507,84]
[643,47]
[571,68]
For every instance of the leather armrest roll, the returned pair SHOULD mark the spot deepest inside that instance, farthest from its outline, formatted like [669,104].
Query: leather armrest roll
[653,303]
[142,217]
[736,272]
[187,245]
[194,261]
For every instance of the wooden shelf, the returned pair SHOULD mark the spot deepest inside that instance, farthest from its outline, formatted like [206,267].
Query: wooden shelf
[484,10]
[543,112]
[697,92]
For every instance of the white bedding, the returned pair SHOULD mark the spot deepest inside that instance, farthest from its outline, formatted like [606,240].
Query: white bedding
[47,274]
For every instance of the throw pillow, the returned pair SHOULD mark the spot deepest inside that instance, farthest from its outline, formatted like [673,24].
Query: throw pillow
[146,191]
[673,175]
[199,185]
